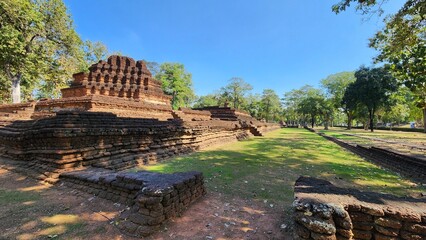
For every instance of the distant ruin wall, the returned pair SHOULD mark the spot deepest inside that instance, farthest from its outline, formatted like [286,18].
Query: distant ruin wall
[324,211]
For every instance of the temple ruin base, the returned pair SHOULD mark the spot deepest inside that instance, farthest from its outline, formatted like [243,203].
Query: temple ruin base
[324,211]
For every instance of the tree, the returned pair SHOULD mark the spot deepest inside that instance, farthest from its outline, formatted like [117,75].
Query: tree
[206,101]
[93,52]
[350,103]
[401,43]
[399,108]
[326,111]
[311,106]
[177,82]
[153,67]
[236,90]
[365,6]
[34,36]
[336,85]
[253,105]
[291,103]
[270,103]
[59,74]
[372,88]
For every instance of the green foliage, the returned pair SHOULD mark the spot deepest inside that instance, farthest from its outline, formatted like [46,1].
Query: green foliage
[253,105]
[270,103]
[153,67]
[399,108]
[93,52]
[206,101]
[301,105]
[177,82]
[365,6]
[314,105]
[372,89]
[401,43]
[235,92]
[36,39]
[336,85]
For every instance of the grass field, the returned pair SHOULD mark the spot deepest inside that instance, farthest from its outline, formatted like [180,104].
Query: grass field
[265,168]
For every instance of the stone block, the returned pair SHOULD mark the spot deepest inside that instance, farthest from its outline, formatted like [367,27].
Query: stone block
[388,222]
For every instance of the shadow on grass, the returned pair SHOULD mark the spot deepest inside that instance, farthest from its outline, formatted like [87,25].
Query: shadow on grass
[266,168]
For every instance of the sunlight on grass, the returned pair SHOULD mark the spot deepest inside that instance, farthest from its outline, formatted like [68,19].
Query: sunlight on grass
[265,168]
[61,219]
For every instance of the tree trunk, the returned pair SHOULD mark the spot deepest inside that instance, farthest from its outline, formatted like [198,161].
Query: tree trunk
[371,120]
[424,119]
[326,125]
[349,121]
[312,122]
[16,88]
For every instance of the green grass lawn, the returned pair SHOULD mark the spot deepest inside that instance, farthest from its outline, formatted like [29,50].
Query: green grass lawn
[265,168]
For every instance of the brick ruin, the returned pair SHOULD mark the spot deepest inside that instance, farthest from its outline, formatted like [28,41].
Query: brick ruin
[153,197]
[324,211]
[113,118]
[116,116]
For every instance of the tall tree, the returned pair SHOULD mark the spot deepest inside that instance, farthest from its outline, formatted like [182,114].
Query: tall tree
[33,37]
[153,67]
[253,105]
[176,82]
[291,103]
[59,74]
[237,90]
[206,101]
[335,86]
[401,43]
[270,103]
[311,106]
[372,88]
[350,103]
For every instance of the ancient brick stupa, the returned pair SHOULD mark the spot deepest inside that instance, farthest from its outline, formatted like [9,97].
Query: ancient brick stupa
[120,85]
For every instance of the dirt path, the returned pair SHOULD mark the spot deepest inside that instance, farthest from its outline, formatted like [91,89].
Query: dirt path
[32,210]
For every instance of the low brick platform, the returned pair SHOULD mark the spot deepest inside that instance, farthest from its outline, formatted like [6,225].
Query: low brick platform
[153,197]
[324,211]
[408,166]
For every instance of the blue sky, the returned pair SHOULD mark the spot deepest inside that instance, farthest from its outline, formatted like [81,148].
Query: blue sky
[277,44]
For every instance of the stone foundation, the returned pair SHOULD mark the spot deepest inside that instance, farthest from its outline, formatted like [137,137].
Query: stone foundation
[70,141]
[324,211]
[16,111]
[153,198]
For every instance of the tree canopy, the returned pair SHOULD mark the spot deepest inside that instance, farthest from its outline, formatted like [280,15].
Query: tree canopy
[401,43]
[236,91]
[177,82]
[36,39]
[270,103]
[372,89]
